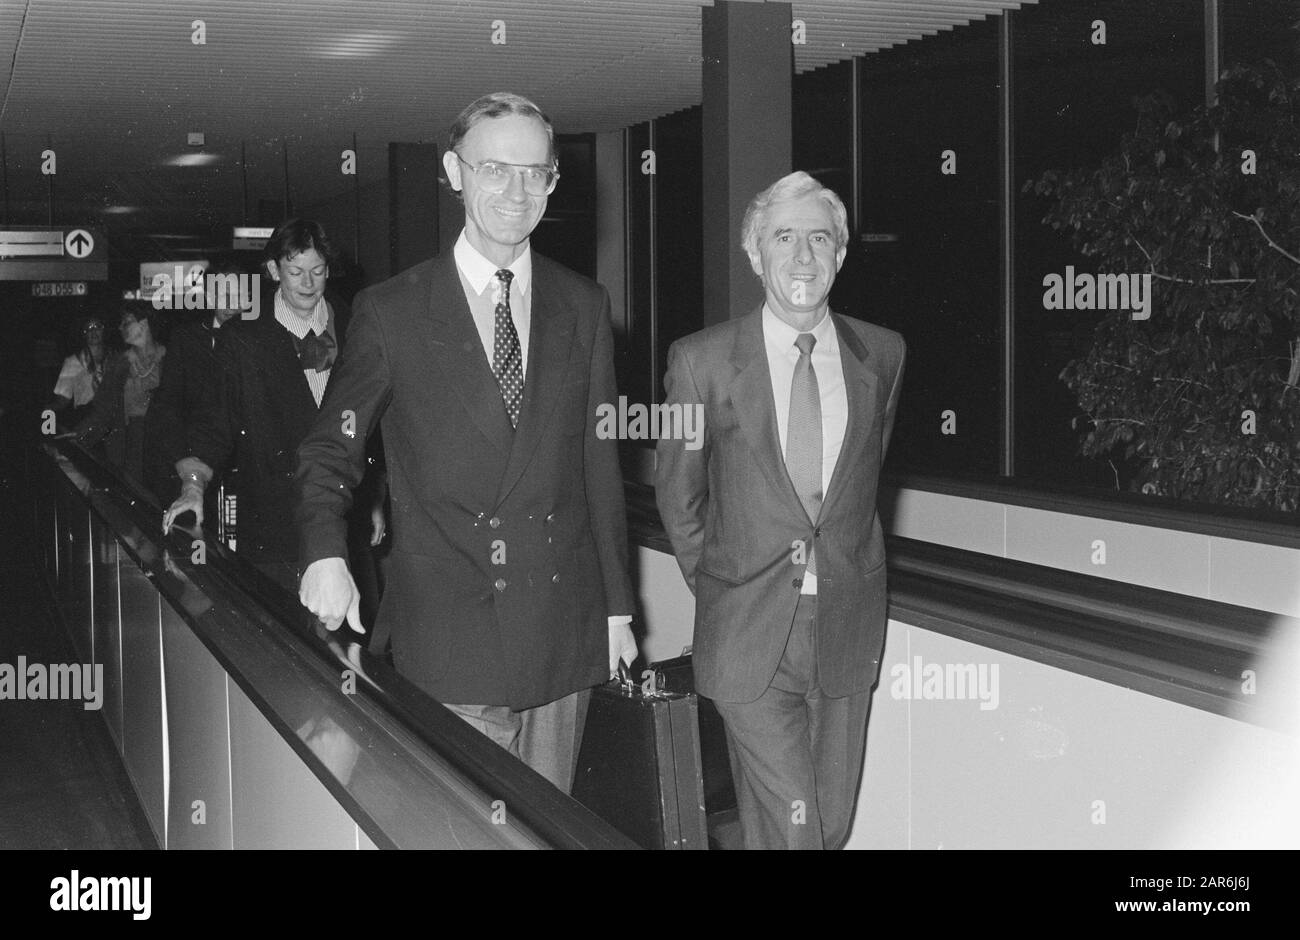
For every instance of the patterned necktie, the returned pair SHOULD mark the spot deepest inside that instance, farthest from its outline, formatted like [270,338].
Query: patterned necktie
[507,361]
[803,439]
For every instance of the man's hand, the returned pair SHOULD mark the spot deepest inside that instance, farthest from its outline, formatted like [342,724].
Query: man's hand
[329,592]
[622,645]
[190,500]
[378,525]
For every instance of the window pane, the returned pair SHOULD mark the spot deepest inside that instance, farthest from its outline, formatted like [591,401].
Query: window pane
[1252,30]
[822,126]
[926,260]
[1078,66]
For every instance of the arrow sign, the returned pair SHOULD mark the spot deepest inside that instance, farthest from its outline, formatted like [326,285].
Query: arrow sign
[79,243]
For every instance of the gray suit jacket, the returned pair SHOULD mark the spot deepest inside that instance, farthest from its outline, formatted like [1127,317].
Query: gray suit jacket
[732,513]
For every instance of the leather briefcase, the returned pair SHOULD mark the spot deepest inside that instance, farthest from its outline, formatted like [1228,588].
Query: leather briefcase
[675,675]
[639,765]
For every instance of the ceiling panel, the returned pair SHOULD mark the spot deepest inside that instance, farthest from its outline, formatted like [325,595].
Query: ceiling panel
[118,83]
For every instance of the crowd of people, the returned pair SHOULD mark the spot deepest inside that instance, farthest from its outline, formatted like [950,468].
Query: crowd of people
[183,407]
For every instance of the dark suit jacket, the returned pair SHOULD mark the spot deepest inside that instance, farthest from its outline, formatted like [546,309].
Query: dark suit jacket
[468,491]
[188,380]
[254,419]
[732,513]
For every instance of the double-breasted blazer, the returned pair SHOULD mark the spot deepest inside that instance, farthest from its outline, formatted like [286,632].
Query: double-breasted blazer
[509,544]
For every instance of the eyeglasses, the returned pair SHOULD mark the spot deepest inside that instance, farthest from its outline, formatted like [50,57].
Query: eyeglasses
[494,176]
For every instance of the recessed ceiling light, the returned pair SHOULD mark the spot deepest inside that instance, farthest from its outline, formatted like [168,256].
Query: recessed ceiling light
[191,159]
[358,45]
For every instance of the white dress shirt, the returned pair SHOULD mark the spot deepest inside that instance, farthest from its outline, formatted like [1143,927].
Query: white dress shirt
[782,357]
[299,326]
[478,276]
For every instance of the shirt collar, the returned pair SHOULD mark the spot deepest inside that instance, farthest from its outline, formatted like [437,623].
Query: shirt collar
[480,272]
[297,325]
[780,335]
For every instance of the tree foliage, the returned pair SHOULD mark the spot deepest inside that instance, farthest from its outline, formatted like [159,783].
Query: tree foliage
[1171,394]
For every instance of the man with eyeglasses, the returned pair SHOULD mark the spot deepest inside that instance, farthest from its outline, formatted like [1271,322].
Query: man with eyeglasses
[508,593]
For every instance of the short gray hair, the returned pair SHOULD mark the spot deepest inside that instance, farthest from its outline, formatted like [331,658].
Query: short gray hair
[793,186]
[494,105]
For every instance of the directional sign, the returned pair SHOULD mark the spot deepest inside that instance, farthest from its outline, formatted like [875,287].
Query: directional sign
[180,273]
[53,254]
[251,239]
[79,243]
[46,243]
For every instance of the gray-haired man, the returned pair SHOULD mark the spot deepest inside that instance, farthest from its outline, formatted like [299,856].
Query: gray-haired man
[774,523]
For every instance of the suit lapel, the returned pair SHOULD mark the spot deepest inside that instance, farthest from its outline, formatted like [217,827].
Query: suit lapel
[862,389]
[551,326]
[457,353]
[751,399]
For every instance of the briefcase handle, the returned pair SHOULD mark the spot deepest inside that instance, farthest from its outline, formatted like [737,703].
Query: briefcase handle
[624,676]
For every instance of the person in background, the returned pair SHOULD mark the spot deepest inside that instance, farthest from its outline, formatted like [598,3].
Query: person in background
[131,377]
[273,373]
[82,372]
[190,378]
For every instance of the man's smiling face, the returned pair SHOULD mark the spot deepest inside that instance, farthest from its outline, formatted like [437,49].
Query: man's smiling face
[798,255]
[498,224]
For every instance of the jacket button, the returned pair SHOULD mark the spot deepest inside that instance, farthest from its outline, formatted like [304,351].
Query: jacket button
[817,532]
[500,584]
[556,577]
[797,583]
[494,522]
[550,517]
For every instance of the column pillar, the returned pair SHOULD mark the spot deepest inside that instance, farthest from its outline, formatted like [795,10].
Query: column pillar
[747,71]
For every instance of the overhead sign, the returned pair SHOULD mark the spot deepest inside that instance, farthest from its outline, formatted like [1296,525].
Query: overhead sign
[251,239]
[59,289]
[77,253]
[30,244]
[177,273]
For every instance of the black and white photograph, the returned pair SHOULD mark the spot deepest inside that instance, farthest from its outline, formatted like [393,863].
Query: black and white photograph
[678,425]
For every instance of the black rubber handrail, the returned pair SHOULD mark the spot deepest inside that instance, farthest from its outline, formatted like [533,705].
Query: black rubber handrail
[1185,649]
[399,710]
